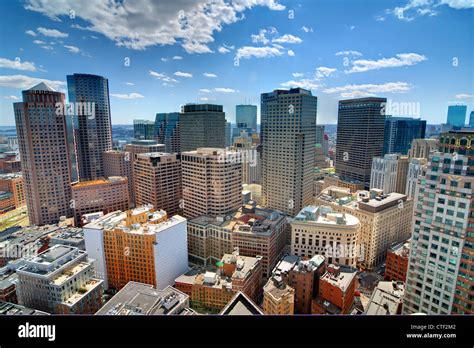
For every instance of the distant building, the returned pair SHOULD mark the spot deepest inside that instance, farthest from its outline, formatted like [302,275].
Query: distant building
[399,133]
[396,264]
[228,133]
[60,281]
[360,137]
[250,157]
[389,173]
[336,291]
[143,299]
[457,115]
[212,290]
[167,131]
[202,125]
[119,163]
[143,129]
[138,245]
[471,119]
[421,148]
[246,116]
[105,195]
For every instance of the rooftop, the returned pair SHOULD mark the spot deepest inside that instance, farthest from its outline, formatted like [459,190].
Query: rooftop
[241,304]
[7,308]
[325,215]
[339,276]
[386,299]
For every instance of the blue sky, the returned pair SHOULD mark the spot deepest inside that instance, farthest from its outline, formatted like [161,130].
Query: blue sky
[161,54]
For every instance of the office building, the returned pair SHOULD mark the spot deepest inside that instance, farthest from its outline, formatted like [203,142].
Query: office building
[167,131]
[438,277]
[101,195]
[119,163]
[251,158]
[202,125]
[139,245]
[319,230]
[457,115]
[416,167]
[211,290]
[336,291]
[400,132]
[60,280]
[90,133]
[389,173]
[421,148]
[13,183]
[360,137]
[143,299]
[471,119]
[212,182]
[246,116]
[47,178]
[228,133]
[143,130]
[385,219]
[157,178]
[396,264]
[288,136]
[278,297]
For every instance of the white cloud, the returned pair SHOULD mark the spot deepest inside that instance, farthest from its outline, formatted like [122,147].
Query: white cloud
[204,98]
[17,64]
[209,75]
[183,74]
[352,91]
[191,24]
[419,8]
[205,90]
[464,96]
[303,83]
[25,82]
[39,42]
[307,29]
[30,32]
[129,83]
[162,77]
[177,58]
[260,37]
[297,75]
[248,52]
[163,59]
[73,49]
[291,53]
[288,38]
[218,90]
[380,18]
[51,32]
[223,50]
[323,71]
[349,53]
[402,59]
[11,97]
[127,96]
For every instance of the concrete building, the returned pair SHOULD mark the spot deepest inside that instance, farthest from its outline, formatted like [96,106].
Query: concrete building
[389,173]
[320,230]
[386,299]
[360,137]
[42,130]
[288,137]
[211,290]
[252,230]
[90,133]
[416,167]
[396,264]
[167,131]
[438,277]
[202,125]
[250,156]
[13,183]
[278,297]
[7,308]
[105,195]
[336,291]
[138,245]
[384,219]
[157,180]
[118,163]
[212,182]
[60,281]
[143,299]
[421,148]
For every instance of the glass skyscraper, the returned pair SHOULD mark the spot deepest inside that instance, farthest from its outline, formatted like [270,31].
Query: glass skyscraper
[246,116]
[399,133]
[143,129]
[457,115]
[167,131]
[89,134]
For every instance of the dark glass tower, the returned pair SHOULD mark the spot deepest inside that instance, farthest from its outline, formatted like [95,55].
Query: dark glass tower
[89,133]
[400,132]
[360,137]
[167,131]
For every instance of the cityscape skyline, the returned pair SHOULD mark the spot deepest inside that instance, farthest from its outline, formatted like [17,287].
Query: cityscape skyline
[152,74]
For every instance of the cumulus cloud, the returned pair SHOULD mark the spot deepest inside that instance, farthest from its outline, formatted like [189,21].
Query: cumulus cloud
[353,91]
[183,74]
[191,24]
[306,29]
[419,8]
[291,53]
[177,58]
[402,59]
[464,96]
[209,75]
[26,82]
[349,53]
[288,38]
[303,83]
[73,49]
[162,77]
[127,96]
[218,90]
[323,71]
[17,64]
[248,52]
[30,32]
[52,32]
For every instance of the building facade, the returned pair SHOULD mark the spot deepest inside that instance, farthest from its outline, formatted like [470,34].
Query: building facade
[167,131]
[400,132]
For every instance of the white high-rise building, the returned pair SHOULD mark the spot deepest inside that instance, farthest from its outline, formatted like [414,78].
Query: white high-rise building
[416,167]
[384,173]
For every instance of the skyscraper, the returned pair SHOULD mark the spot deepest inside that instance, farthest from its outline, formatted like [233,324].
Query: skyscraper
[41,128]
[228,131]
[399,133]
[439,278]
[288,138]
[360,137]
[457,115]
[90,134]
[471,119]
[246,116]
[202,125]
[167,131]
[143,129]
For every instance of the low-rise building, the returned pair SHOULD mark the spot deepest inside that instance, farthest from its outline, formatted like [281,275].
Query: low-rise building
[13,183]
[278,297]
[396,264]
[386,299]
